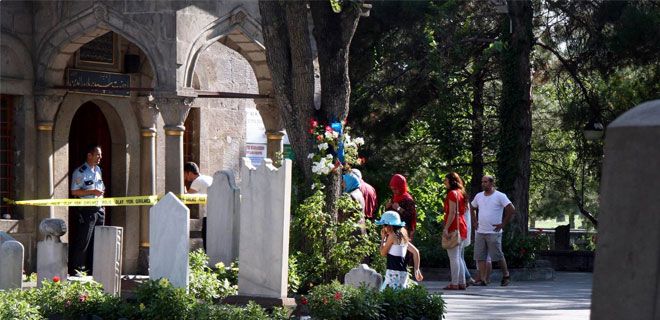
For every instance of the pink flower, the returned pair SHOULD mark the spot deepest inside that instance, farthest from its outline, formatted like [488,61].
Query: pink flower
[337,296]
[56,279]
[67,303]
[304,301]
[311,130]
[319,138]
[328,128]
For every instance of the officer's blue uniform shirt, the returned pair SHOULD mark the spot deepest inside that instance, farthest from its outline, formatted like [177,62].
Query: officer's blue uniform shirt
[86,178]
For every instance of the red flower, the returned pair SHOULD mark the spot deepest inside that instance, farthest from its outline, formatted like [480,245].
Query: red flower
[325,300]
[328,128]
[337,296]
[304,301]
[313,123]
[319,137]
[311,130]
[56,279]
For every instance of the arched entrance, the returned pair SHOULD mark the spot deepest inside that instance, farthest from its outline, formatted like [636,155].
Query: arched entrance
[89,126]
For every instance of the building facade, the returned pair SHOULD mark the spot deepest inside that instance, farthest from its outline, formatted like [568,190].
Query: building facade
[154,83]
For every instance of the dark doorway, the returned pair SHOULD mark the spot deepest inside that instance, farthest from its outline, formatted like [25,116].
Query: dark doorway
[89,126]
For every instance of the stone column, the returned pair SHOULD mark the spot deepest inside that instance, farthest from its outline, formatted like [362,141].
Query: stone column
[174,111]
[274,126]
[274,145]
[46,106]
[148,115]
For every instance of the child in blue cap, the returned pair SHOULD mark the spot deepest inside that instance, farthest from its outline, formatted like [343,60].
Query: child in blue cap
[394,244]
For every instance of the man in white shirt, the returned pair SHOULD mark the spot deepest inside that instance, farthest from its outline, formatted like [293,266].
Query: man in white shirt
[199,183]
[486,213]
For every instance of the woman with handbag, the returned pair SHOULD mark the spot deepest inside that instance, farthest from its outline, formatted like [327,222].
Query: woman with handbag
[455,229]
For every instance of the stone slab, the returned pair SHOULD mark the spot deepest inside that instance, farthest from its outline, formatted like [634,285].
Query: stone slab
[223,221]
[264,235]
[169,222]
[363,276]
[52,259]
[11,265]
[627,264]
[108,244]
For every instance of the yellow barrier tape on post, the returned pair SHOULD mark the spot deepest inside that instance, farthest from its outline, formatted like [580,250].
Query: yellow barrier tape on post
[105,202]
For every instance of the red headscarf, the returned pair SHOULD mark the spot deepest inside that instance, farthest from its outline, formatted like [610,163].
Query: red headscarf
[399,182]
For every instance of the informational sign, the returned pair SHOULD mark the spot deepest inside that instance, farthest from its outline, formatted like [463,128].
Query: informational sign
[255,137]
[89,81]
[99,50]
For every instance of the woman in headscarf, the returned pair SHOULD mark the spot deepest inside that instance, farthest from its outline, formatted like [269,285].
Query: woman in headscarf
[351,185]
[403,203]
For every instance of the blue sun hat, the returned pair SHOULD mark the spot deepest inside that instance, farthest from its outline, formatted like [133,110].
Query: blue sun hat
[390,218]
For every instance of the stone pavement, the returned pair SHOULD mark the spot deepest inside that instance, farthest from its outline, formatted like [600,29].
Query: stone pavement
[567,297]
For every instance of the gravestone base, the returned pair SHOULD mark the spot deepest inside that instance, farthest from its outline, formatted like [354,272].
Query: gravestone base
[265,302]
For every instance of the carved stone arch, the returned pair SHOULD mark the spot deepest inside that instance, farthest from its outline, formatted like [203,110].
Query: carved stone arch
[22,54]
[240,32]
[18,75]
[67,37]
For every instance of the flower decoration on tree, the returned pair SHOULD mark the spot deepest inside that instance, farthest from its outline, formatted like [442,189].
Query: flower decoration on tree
[335,147]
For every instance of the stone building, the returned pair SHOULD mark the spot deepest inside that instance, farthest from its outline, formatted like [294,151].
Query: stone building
[153,82]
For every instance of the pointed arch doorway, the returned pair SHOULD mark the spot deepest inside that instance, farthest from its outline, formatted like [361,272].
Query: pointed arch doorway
[89,126]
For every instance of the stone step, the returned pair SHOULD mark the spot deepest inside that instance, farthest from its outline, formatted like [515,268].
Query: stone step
[195,225]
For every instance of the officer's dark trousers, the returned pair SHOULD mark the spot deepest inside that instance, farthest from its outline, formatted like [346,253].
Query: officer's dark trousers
[83,253]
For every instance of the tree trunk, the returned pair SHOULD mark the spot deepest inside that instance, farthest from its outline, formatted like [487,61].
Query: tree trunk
[513,158]
[289,57]
[333,33]
[477,143]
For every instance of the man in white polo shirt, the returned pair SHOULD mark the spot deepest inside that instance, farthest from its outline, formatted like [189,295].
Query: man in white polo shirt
[486,213]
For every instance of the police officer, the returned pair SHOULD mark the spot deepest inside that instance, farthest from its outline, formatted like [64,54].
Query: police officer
[87,182]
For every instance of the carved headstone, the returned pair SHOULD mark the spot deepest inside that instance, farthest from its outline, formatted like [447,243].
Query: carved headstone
[363,276]
[108,258]
[169,224]
[563,237]
[223,218]
[52,254]
[627,266]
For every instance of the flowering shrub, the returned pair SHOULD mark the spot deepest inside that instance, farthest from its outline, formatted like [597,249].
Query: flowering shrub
[520,251]
[336,301]
[207,285]
[335,147]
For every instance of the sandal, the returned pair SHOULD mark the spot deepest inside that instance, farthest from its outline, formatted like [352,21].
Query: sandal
[462,287]
[480,283]
[505,281]
[451,287]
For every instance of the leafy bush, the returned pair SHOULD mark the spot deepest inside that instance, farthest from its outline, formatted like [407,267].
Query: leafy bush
[158,299]
[520,251]
[226,312]
[429,202]
[207,285]
[328,249]
[15,305]
[336,301]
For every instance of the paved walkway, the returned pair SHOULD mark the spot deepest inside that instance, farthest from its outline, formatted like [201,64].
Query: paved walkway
[567,297]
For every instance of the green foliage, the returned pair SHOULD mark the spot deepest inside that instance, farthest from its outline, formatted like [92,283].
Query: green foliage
[428,198]
[226,312]
[326,249]
[158,299]
[207,285]
[15,305]
[520,250]
[336,301]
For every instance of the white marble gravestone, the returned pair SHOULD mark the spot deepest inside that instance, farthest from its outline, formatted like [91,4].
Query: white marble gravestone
[108,258]
[169,224]
[52,254]
[627,265]
[223,219]
[11,262]
[264,232]
[363,276]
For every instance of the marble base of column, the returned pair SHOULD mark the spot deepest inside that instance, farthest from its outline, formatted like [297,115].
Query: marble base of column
[174,160]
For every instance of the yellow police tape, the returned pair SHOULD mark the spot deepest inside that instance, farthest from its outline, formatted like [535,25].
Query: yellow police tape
[106,202]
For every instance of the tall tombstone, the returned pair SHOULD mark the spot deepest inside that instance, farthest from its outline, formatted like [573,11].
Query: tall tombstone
[223,218]
[169,224]
[563,237]
[627,266]
[11,262]
[107,258]
[52,254]
[264,233]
